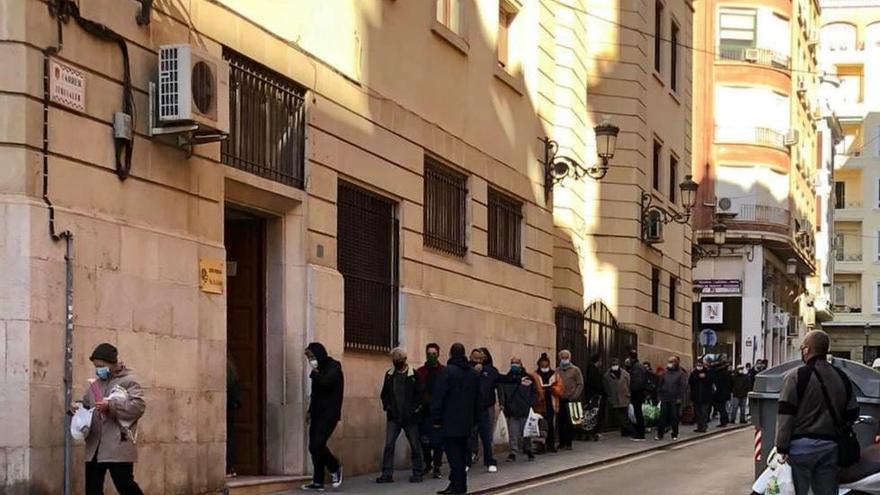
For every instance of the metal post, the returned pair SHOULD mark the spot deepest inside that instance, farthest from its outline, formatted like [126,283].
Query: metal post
[68,354]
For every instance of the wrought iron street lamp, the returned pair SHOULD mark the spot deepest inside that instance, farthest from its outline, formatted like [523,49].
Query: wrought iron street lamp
[654,216]
[557,168]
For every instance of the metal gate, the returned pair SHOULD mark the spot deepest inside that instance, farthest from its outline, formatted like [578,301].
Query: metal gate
[594,331]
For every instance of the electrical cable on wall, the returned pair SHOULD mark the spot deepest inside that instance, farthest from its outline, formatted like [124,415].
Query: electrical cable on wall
[123,147]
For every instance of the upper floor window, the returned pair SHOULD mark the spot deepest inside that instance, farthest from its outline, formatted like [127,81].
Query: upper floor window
[655,172]
[445,208]
[449,13]
[505,19]
[737,31]
[673,300]
[838,36]
[673,57]
[839,195]
[267,126]
[658,34]
[505,227]
[673,177]
[655,290]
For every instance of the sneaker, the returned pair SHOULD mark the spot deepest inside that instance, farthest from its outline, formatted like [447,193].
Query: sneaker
[416,478]
[493,468]
[313,487]
[384,479]
[336,478]
[437,475]
[511,458]
[638,439]
[658,438]
[674,439]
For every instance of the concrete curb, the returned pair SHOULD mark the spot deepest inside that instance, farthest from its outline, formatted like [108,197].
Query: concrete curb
[610,460]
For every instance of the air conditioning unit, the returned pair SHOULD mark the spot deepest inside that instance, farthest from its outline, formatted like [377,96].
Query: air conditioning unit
[751,55]
[725,205]
[792,137]
[653,227]
[193,89]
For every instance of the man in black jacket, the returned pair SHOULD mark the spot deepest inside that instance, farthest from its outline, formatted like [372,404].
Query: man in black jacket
[638,384]
[481,361]
[723,390]
[455,407]
[402,402]
[815,402]
[702,393]
[325,411]
[595,392]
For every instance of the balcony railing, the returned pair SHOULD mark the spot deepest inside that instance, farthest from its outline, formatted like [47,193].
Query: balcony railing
[763,136]
[761,56]
[764,214]
[849,257]
[847,309]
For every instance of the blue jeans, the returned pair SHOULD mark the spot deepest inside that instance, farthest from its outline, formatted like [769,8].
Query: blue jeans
[738,405]
[817,471]
[392,431]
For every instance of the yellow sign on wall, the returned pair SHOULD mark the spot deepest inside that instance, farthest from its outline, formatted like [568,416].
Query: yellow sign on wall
[211,275]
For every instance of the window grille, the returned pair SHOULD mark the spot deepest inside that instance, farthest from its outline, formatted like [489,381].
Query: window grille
[445,209]
[505,228]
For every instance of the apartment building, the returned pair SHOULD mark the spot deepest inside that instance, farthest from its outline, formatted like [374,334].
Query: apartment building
[756,158]
[850,45]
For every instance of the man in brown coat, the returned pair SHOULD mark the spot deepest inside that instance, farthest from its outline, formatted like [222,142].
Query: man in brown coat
[118,404]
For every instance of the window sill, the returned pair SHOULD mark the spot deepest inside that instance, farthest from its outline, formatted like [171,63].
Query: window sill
[450,37]
[659,78]
[515,83]
[675,96]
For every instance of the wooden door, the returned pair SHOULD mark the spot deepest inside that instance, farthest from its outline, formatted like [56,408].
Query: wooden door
[245,334]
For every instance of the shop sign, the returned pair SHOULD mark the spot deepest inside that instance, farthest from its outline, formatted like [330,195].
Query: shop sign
[718,286]
[713,313]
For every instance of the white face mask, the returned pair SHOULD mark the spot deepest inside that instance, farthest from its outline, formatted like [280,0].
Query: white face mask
[545,370]
[615,368]
[313,363]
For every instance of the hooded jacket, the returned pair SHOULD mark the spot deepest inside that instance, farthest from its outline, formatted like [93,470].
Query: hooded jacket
[456,401]
[328,385]
[108,438]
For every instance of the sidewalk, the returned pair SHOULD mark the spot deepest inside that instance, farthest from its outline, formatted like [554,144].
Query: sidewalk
[611,447]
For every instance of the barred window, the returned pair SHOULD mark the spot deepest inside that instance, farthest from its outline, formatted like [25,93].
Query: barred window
[505,227]
[267,125]
[445,209]
[367,236]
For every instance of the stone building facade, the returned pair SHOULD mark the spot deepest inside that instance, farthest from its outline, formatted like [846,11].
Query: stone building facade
[381,184]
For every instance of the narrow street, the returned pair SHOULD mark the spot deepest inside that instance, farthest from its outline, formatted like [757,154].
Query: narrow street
[719,465]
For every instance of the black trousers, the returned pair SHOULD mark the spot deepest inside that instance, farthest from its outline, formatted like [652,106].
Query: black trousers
[563,424]
[668,418]
[457,456]
[637,399]
[432,446]
[322,458]
[122,474]
[551,418]
[721,407]
[702,411]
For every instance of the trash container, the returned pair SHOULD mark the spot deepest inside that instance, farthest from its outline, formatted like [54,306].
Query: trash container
[764,403]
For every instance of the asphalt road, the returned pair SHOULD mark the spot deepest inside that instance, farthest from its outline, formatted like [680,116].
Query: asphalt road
[715,466]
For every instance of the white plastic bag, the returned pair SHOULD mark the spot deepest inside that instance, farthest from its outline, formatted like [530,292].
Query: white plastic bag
[631,413]
[776,479]
[532,429]
[501,435]
[80,423]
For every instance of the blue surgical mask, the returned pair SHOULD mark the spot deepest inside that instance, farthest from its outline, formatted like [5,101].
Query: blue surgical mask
[515,368]
[103,372]
[565,363]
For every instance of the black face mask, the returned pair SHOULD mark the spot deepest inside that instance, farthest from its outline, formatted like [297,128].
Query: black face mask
[400,365]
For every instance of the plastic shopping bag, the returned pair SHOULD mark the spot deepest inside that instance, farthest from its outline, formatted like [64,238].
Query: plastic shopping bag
[651,413]
[631,414]
[501,435]
[80,423]
[532,429]
[776,479]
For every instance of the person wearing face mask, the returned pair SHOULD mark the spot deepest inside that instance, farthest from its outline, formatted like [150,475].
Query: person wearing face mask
[119,403]
[742,384]
[572,392]
[814,399]
[402,401]
[517,394]
[325,411]
[720,373]
[701,394]
[482,361]
[617,388]
[638,385]
[551,391]
[595,394]
[671,392]
[432,446]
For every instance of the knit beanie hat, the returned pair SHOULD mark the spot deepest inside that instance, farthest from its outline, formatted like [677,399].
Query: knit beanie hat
[105,352]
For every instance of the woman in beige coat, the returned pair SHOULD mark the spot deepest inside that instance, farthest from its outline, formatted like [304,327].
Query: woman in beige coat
[111,442]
